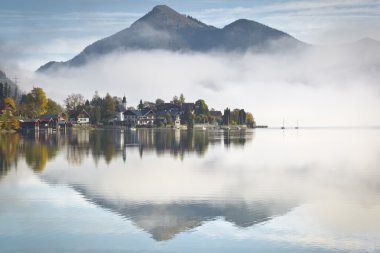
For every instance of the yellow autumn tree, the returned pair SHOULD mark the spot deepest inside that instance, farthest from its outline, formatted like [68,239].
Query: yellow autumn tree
[34,104]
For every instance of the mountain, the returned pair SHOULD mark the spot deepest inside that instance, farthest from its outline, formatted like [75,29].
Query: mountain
[164,28]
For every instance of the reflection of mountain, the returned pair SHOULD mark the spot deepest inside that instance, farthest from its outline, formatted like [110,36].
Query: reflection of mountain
[165,220]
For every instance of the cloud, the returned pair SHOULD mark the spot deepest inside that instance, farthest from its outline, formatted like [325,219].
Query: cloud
[320,86]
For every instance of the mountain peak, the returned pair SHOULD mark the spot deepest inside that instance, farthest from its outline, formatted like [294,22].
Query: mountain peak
[162,16]
[163,8]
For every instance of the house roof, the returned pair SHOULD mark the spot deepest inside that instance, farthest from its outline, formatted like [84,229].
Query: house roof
[216,113]
[188,105]
[30,121]
[138,113]
[46,120]
[173,112]
[76,114]
[167,106]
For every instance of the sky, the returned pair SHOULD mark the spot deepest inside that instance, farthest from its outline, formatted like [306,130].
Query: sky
[329,85]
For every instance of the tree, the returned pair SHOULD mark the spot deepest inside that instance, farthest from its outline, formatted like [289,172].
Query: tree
[108,109]
[168,118]
[182,98]
[188,118]
[7,90]
[53,107]
[242,117]
[97,115]
[34,103]
[159,101]
[15,93]
[96,100]
[140,105]
[176,100]
[74,103]
[250,120]
[227,116]
[201,108]
[234,116]
[10,103]
[2,95]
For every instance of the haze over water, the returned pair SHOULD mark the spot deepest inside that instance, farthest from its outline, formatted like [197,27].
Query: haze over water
[268,190]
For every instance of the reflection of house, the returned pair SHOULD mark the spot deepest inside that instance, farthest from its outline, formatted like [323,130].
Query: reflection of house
[81,118]
[143,117]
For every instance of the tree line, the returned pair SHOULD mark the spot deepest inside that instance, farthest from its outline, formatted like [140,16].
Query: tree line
[103,109]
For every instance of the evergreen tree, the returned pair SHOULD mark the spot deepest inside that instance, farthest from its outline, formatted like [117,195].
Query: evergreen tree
[15,93]
[242,117]
[182,98]
[141,105]
[2,95]
[227,116]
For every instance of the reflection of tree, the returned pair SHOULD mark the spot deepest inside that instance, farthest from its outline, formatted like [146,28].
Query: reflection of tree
[8,152]
[39,147]
[36,156]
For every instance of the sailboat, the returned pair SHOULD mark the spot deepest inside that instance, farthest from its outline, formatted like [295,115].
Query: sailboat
[296,125]
[283,124]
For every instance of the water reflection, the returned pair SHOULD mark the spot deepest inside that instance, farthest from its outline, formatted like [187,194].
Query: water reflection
[311,189]
[39,147]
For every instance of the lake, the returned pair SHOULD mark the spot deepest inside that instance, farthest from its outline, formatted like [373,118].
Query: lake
[150,190]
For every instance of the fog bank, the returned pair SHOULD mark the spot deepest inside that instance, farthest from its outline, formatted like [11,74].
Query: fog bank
[321,86]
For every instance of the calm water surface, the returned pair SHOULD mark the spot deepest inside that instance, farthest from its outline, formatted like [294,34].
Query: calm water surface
[311,190]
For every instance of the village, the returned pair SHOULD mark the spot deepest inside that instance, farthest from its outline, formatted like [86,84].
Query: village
[36,112]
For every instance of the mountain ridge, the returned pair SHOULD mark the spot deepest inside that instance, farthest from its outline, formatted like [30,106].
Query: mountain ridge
[166,29]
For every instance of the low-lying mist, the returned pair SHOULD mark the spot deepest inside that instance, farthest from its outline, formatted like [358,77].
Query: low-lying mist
[320,86]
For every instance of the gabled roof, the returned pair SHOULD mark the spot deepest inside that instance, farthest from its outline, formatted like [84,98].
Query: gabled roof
[76,114]
[138,113]
[173,112]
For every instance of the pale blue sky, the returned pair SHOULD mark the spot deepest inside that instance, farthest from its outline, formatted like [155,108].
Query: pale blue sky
[33,32]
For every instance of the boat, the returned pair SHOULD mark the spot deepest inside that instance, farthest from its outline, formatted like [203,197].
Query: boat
[132,128]
[283,124]
[296,125]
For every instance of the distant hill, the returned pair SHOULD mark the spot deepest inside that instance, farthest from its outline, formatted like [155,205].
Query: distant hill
[164,28]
